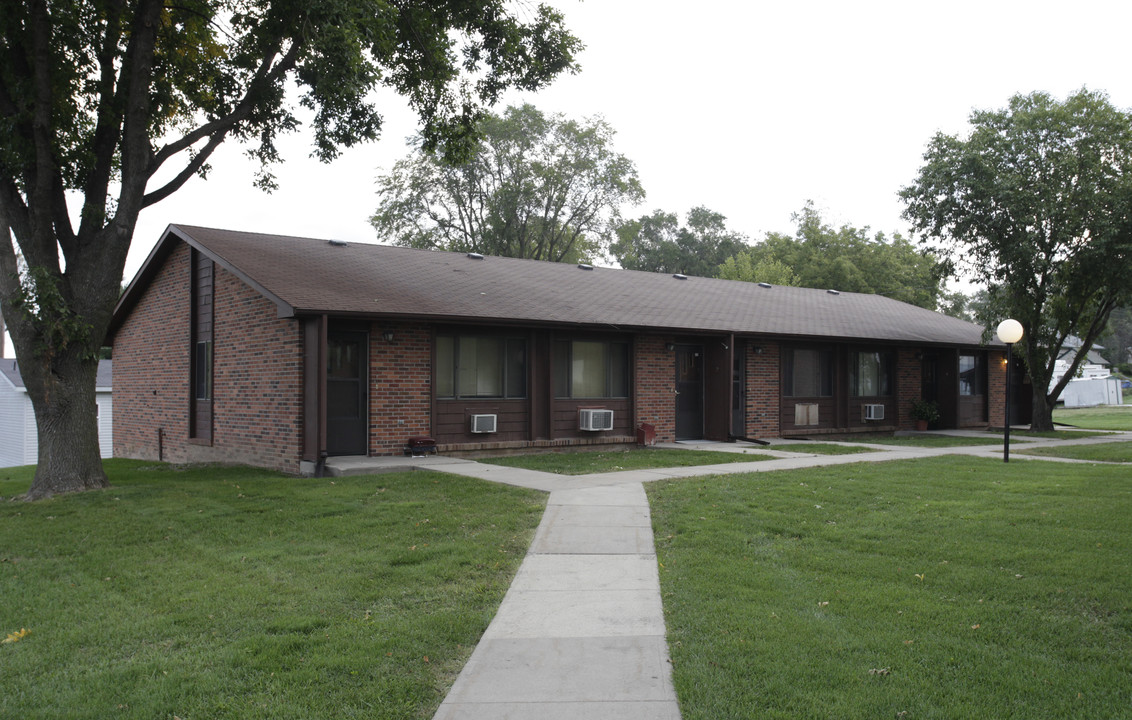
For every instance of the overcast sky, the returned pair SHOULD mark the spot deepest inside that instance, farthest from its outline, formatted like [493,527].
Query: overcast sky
[748,108]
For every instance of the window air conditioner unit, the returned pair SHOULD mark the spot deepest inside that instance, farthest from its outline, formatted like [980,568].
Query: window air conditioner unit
[595,419]
[483,423]
[873,411]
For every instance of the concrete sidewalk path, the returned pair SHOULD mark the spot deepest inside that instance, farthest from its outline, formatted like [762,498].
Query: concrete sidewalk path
[580,633]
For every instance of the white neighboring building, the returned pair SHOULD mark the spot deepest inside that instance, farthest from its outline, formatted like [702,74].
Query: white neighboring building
[19,440]
[1094,365]
[1090,392]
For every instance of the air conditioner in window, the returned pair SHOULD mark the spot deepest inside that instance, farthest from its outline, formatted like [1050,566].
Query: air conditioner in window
[595,419]
[873,411]
[483,423]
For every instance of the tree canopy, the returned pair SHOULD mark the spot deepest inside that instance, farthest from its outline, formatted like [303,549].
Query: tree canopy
[846,258]
[659,243]
[97,97]
[534,186]
[1036,202]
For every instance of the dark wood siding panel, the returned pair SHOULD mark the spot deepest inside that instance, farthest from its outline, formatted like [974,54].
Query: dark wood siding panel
[312,336]
[200,359]
[972,410]
[827,414]
[565,417]
[453,424]
[718,375]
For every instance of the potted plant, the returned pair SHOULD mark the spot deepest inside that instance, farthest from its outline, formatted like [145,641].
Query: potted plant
[924,412]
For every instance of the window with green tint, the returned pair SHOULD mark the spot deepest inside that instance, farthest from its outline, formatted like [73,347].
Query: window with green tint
[807,372]
[591,369]
[472,366]
[870,374]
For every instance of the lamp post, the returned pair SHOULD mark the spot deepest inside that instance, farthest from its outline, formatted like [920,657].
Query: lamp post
[1009,331]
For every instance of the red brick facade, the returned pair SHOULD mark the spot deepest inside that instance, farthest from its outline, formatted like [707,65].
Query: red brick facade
[257,376]
[763,396]
[258,393]
[400,400]
[909,372]
[996,387]
[654,375]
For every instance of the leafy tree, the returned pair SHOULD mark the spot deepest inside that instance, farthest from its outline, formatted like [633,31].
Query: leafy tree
[1036,203]
[976,307]
[659,243]
[534,186]
[767,269]
[1117,338]
[845,258]
[97,97]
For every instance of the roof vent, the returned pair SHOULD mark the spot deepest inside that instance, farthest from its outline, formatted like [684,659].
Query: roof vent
[764,285]
[475,256]
[833,292]
[680,276]
[337,243]
[584,266]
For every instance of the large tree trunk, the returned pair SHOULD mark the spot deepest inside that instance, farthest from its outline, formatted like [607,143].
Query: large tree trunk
[66,417]
[1041,419]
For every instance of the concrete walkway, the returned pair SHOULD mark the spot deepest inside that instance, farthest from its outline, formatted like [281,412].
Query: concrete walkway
[580,633]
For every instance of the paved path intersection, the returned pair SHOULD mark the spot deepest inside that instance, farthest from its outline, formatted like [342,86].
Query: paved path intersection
[580,633]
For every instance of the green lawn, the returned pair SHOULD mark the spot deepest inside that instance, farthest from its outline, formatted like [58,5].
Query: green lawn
[922,440]
[1107,417]
[584,463]
[234,593]
[939,588]
[1108,452]
[818,448]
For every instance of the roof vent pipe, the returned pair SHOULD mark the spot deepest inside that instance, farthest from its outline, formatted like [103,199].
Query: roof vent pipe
[680,276]
[584,266]
[764,285]
[475,256]
[833,292]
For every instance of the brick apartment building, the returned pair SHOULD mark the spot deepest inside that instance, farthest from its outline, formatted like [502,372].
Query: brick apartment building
[280,351]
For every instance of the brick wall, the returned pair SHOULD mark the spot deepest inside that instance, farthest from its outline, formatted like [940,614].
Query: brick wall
[400,386]
[151,365]
[764,394]
[655,377]
[996,386]
[257,376]
[909,386]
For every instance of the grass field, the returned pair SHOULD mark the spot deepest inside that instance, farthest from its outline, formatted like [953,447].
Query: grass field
[921,440]
[1107,417]
[234,593]
[941,588]
[1108,452]
[584,463]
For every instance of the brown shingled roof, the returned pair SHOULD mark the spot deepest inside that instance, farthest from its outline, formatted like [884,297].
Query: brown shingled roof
[305,276]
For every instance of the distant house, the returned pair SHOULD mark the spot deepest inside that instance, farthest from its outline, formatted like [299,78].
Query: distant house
[19,439]
[1094,365]
[281,351]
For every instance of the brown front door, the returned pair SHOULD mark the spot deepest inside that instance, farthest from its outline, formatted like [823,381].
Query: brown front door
[346,377]
[689,392]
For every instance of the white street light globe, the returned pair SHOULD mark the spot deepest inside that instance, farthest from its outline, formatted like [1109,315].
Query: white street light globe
[1009,331]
